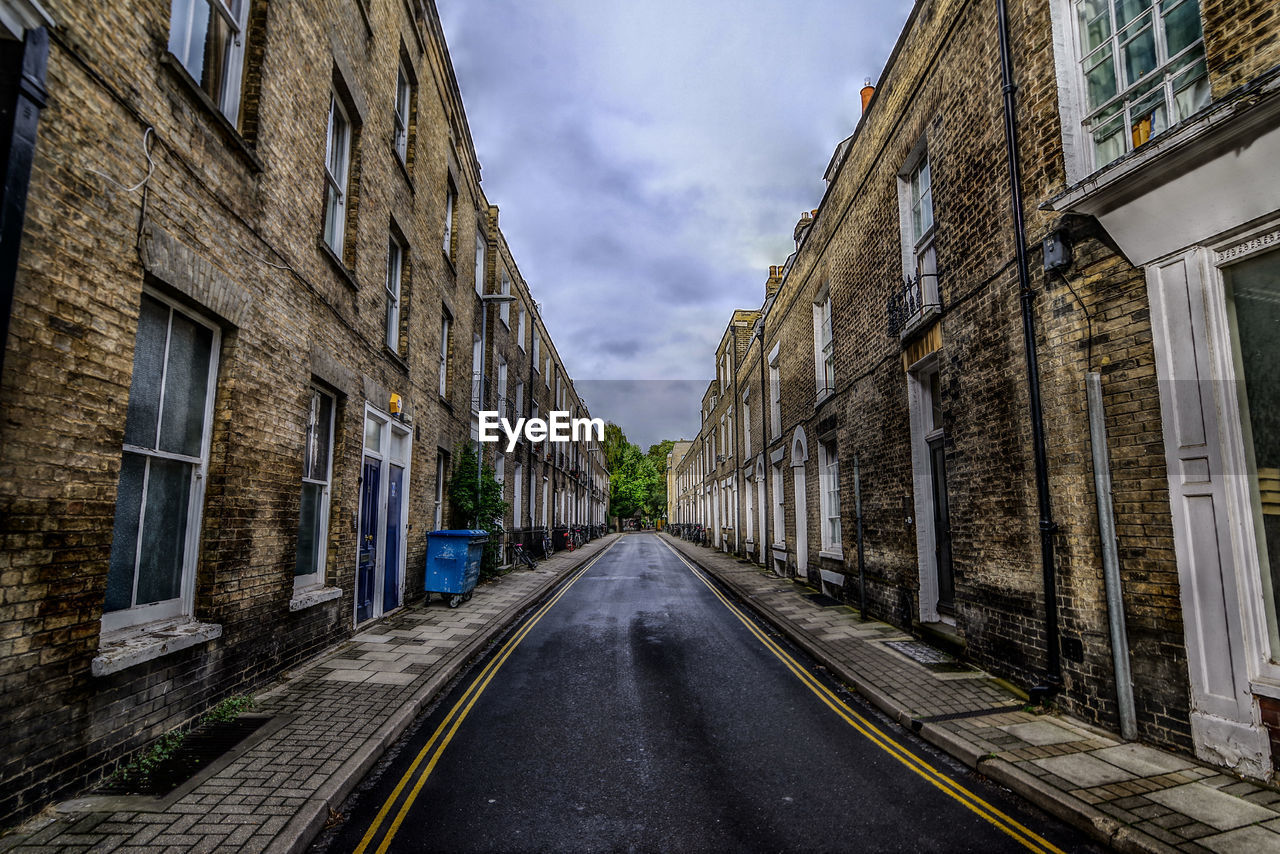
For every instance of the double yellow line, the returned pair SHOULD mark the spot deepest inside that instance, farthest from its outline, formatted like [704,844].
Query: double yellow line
[1028,838]
[444,733]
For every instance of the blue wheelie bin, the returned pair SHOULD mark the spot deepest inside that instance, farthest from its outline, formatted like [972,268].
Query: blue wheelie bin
[453,564]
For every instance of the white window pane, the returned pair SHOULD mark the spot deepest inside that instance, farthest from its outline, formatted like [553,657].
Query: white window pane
[185,387]
[310,525]
[148,371]
[372,435]
[124,538]
[164,531]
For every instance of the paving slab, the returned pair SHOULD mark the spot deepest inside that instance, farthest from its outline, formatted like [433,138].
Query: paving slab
[1211,806]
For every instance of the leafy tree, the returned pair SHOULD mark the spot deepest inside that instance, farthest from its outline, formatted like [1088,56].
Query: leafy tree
[476,502]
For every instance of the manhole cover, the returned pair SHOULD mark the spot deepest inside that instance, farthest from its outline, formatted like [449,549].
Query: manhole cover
[198,750]
[934,659]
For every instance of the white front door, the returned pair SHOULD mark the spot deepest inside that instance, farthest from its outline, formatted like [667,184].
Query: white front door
[1210,489]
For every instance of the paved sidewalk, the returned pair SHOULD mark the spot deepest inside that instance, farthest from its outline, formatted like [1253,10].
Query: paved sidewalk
[331,721]
[1131,796]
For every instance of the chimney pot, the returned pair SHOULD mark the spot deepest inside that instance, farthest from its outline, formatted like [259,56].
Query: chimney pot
[867,91]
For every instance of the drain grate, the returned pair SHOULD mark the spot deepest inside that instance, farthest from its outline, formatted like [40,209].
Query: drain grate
[199,750]
[934,659]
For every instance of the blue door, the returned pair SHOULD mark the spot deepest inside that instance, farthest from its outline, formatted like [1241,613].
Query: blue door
[367,558]
[391,555]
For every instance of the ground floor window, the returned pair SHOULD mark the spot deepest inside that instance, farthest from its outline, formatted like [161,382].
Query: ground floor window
[165,454]
[317,459]
[829,478]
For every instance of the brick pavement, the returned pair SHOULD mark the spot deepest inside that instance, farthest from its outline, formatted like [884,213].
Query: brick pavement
[1131,796]
[330,722]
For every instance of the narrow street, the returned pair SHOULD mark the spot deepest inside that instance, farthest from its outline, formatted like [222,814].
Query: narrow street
[640,709]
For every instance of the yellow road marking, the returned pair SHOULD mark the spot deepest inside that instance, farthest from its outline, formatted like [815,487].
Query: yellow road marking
[1026,837]
[437,744]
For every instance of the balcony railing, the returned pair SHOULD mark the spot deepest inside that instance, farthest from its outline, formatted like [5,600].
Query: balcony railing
[914,298]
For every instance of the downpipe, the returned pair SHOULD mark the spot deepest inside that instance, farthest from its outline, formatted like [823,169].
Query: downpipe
[1052,679]
[1110,558]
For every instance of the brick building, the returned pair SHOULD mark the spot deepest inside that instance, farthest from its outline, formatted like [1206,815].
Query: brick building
[892,361]
[253,257]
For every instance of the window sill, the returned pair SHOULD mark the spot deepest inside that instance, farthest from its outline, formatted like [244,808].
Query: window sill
[210,109]
[396,359]
[131,647]
[348,275]
[312,596]
[831,554]
[404,171]
[919,321]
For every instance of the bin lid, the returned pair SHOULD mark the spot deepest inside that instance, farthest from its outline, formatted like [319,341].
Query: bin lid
[459,533]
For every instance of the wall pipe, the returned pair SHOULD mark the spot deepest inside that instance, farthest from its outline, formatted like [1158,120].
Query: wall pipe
[1052,681]
[1110,557]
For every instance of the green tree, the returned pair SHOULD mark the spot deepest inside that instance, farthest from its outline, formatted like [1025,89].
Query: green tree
[476,502]
[658,456]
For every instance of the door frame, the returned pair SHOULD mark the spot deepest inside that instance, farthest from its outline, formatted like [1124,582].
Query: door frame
[922,482]
[389,426]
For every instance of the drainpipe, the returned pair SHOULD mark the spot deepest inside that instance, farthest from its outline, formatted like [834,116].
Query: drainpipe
[1110,558]
[766,547]
[29,97]
[1052,681]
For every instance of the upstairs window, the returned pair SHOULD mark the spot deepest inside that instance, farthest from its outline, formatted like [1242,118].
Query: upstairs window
[1143,70]
[402,113]
[775,395]
[446,326]
[480,247]
[520,315]
[450,203]
[504,309]
[537,358]
[395,275]
[824,353]
[336,162]
[208,38]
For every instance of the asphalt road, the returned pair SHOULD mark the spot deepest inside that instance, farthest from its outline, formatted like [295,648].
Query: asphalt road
[637,712]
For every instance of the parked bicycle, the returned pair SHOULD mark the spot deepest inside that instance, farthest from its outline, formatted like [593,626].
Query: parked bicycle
[546,546]
[520,556]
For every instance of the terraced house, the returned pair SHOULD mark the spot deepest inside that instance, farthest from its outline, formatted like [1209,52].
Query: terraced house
[255,298]
[1014,388]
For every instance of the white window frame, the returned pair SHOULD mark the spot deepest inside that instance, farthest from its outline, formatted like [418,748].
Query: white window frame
[450,209]
[442,467]
[537,354]
[919,241]
[446,329]
[477,381]
[520,400]
[183,604]
[516,508]
[824,350]
[337,161]
[829,498]
[482,246]
[1078,145]
[504,308]
[402,111]
[775,393]
[394,287]
[316,579]
[779,507]
[235,14]
[521,314]
[746,424]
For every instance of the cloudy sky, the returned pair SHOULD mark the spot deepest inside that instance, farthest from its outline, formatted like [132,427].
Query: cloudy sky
[650,159]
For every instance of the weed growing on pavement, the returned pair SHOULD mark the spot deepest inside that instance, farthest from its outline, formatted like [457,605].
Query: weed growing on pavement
[139,771]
